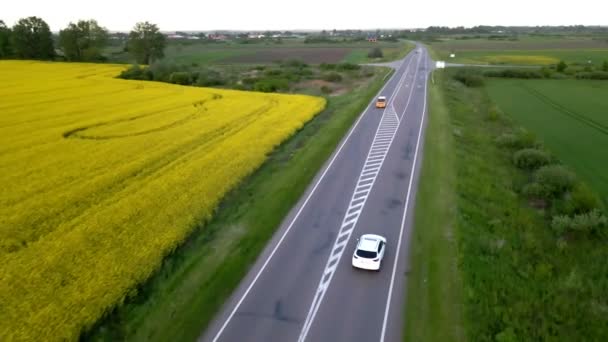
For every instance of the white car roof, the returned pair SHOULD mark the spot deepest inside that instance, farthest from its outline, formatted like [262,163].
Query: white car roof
[369,242]
[381,97]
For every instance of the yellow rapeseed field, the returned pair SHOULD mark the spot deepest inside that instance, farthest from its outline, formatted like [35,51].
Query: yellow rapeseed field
[102,177]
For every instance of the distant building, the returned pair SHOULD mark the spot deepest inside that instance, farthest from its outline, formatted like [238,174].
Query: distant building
[175,36]
[372,39]
[217,36]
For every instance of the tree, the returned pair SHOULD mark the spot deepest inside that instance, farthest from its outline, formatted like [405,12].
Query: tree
[5,41]
[83,41]
[146,43]
[375,53]
[31,39]
[561,66]
[605,66]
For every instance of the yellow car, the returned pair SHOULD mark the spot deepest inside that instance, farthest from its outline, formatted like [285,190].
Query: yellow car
[381,102]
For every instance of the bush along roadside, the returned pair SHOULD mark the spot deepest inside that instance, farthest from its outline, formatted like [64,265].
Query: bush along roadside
[571,207]
[474,76]
[281,77]
[530,232]
[559,71]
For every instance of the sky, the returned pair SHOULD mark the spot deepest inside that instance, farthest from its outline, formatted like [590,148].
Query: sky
[252,15]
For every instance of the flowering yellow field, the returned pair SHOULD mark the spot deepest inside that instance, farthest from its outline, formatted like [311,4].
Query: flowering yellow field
[102,177]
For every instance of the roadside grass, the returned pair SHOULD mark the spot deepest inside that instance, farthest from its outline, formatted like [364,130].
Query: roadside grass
[570,117]
[434,290]
[519,280]
[195,281]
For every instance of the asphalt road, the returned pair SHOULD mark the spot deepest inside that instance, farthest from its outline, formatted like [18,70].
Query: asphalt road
[303,287]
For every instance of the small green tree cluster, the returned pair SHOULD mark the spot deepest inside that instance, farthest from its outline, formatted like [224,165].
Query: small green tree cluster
[376,52]
[146,43]
[31,38]
[573,206]
[83,41]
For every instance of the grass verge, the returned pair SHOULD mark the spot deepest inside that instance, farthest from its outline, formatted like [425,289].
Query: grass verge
[193,283]
[433,311]
[521,281]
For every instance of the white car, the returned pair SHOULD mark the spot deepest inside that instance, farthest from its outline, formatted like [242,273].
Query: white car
[369,252]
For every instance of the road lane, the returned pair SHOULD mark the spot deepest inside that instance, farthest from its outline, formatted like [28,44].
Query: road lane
[275,299]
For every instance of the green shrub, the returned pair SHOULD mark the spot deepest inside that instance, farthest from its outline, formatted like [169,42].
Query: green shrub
[249,80]
[507,335]
[326,90]
[367,72]
[270,85]
[470,78]
[561,66]
[593,222]
[535,190]
[209,78]
[555,179]
[546,72]
[519,140]
[162,70]
[294,63]
[180,77]
[580,200]
[347,67]
[593,75]
[605,66]
[530,158]
[515,73]
[332,77]
[303,72]
[273,72]
[135,72]
[327,66]
[558,76]
[376,52]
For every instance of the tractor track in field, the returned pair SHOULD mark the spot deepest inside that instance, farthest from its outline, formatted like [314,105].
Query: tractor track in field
[579,117]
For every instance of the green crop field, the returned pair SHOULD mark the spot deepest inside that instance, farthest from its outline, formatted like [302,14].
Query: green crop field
[569,116]
[524,51]
[189,52]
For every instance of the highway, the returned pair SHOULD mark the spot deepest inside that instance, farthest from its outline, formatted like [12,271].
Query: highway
[303,287]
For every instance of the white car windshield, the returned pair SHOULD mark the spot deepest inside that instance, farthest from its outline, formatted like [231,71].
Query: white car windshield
[366,254]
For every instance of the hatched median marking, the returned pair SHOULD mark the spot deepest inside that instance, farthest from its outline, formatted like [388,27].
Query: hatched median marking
[373,163]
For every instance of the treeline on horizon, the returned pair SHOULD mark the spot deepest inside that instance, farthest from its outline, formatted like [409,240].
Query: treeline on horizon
[83,41]
[483,29]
